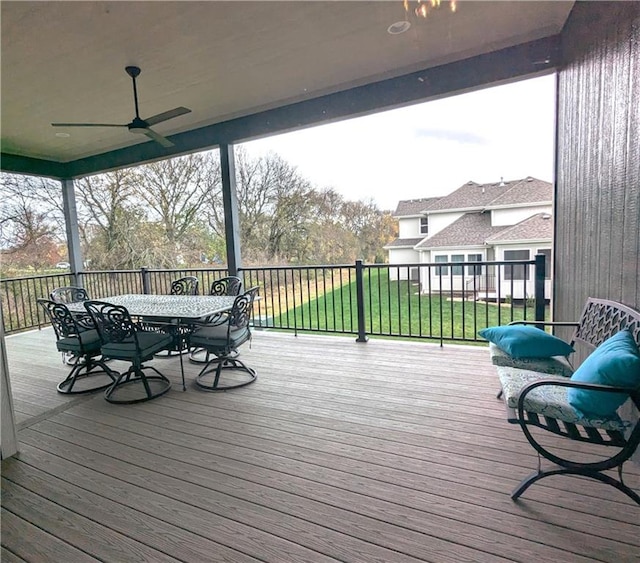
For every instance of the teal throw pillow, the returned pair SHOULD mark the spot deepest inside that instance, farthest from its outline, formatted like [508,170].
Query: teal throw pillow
[526,341]
[615,362]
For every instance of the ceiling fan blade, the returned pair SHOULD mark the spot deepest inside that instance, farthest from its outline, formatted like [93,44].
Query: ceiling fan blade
[175,112]
[158,138]
[88,125]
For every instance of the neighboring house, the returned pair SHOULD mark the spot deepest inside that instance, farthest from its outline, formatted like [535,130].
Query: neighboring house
[475,223]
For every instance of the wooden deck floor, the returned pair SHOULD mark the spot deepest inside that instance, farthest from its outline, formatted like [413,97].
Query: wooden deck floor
[387,452]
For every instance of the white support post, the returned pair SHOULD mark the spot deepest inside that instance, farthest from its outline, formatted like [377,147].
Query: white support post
[9,439]
[73,232]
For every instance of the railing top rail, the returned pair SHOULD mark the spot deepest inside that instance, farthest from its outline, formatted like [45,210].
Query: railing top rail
[90,272]
[300,267]
[185,269]
[465,263]
[36,277]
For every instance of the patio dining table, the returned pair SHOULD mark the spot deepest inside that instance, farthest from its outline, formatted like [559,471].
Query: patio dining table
[181,311]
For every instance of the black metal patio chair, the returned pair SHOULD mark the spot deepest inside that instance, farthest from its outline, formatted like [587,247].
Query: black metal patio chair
[122,339]
[187,285]
[73,294]
[69,294]
[222,340]
[231,286]
[81,348]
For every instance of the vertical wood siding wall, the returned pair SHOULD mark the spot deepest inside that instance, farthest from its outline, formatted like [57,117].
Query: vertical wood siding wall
[597,239]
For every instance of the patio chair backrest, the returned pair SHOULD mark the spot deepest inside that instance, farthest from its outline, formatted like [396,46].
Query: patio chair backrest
[240,314]
[63,322]
[231,285]
[185,286]
[69,294]
[113,322]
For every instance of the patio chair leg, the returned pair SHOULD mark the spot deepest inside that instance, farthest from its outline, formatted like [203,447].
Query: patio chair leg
[136,376]
[67,387]
[537,475]
[221,364]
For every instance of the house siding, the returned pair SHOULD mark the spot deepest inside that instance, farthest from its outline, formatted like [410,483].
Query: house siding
[439,221]
[597,207]
[409,228]
[506,217]
[401,256]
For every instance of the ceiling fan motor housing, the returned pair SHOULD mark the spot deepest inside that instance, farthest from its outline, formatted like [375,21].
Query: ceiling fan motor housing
[138,125]
[132,71]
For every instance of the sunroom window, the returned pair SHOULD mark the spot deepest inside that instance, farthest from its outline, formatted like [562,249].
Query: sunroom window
[442,270]
[517,271]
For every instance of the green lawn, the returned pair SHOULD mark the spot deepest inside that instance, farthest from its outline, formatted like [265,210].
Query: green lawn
[394,308]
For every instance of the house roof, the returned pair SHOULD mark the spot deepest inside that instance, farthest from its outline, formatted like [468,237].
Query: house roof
[411,207]
[471,229]
[504,193]
[529,190]
[474,229]
[536,227]
[404,242]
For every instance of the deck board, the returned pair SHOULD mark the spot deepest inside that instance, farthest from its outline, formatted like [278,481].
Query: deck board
[386,451]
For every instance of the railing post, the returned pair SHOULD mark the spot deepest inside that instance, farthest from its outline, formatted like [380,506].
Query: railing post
[539,286]
[144,273]
[362,335]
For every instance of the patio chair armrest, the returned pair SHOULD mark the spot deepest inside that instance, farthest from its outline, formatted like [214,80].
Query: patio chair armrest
[546,323]
[633,392]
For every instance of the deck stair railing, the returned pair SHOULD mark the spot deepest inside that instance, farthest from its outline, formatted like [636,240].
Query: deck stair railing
[440,301]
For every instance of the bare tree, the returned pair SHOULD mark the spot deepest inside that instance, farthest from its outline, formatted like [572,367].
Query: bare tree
[273,206]
[107,215]
[30,221]
[371,228]
[174,192]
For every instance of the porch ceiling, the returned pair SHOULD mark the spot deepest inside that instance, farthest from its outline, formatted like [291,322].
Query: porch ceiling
[241,67]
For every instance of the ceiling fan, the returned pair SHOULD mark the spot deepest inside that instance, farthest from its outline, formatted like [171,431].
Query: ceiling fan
[138,125]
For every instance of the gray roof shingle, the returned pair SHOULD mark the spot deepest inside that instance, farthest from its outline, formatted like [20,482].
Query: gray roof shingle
[481,196]
[529,190]
[536,227]
[404,242]
[411,207]
[471,229]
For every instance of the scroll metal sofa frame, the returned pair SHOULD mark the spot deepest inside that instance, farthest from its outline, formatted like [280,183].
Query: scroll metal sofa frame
[600,320]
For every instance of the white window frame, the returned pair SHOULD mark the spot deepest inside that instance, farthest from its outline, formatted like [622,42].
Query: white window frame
[517,273]
[474,270]
[457,270]
[441,270]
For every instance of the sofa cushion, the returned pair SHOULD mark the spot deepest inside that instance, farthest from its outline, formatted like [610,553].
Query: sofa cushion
[615,362]
[557,365]
[524,341]
[549,400]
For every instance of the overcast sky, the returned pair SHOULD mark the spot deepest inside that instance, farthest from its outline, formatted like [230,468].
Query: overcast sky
[428,149]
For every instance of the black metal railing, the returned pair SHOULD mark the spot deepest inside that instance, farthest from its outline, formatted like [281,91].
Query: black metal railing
[441,301]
